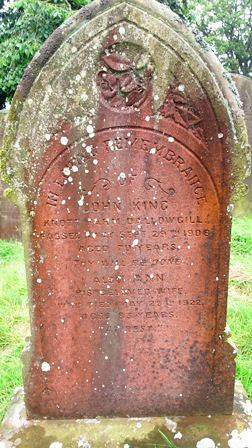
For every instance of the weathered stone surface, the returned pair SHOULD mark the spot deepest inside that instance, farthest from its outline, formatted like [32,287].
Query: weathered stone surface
[233,431]
[128,147]
[9,213]
[244,86]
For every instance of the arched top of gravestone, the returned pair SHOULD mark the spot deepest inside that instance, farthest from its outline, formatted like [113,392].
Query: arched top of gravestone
[60,87]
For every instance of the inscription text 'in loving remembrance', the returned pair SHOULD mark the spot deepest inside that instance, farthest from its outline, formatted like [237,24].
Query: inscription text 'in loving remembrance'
[154,146]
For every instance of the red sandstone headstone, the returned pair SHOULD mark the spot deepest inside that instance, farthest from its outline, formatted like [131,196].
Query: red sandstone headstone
[125,198]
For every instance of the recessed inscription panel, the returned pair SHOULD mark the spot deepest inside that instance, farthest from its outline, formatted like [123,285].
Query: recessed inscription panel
[127,222]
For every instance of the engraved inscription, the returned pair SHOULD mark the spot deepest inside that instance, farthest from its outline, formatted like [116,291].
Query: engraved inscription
[52,198]
[150,182]
[159,150]
[133,230]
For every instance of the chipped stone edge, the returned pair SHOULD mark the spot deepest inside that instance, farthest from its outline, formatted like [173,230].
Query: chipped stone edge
[240,154]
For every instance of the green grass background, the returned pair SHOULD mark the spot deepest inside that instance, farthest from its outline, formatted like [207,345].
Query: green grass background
[14,321]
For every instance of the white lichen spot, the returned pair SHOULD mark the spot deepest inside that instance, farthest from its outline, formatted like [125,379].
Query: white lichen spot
[170,139]
[95,162]
[181,88]
[188,247]
[70,179]
[89,149]
[90,129]
[66,171]
[84,97]
[122,30]
[139,425]
[47,137]
[178,435]
[63,202]
[115,37]
[64,141]
[220,135]
[122,176]
[56,445]
[153,151]
[116,267]
[230,208]
[39,280]
[78,78]
[106,357]
[217,279]
[156,97]
[81,201]
[75,169]
[135,242]
[147,118]
[205,443]
[172,426]
[45,367]
[126,446]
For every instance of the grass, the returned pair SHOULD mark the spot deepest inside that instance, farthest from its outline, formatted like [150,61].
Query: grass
[14,321]
[168,442]
[240,298]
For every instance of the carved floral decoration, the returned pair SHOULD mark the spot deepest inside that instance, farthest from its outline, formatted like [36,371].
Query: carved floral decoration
[125,75]
[178,107]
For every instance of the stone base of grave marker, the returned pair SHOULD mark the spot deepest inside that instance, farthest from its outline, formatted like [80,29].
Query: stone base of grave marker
[228,431]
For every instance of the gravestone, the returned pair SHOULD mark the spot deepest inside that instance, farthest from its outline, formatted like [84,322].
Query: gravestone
[244,86]
[9,213]
[124,148]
